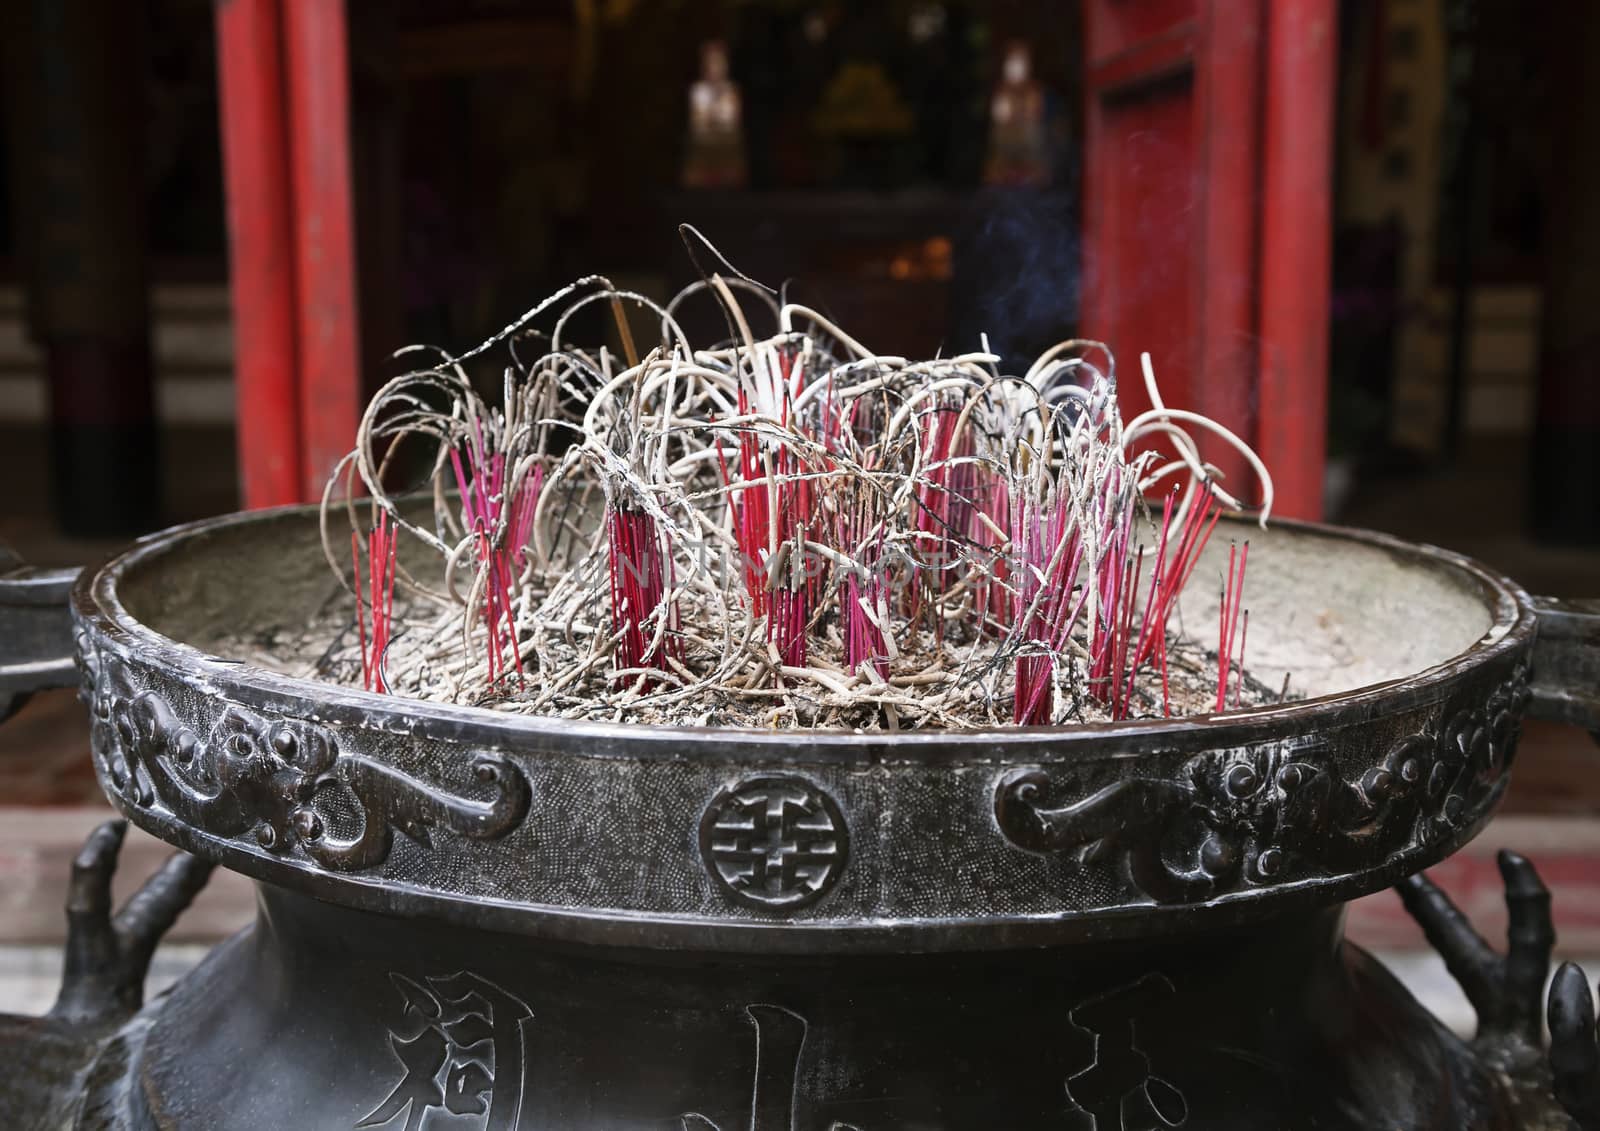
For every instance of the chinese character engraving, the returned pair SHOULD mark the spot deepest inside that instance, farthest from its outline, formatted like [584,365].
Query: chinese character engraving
[1118,1091]
[774,843]
[460,1045]
[780,1036]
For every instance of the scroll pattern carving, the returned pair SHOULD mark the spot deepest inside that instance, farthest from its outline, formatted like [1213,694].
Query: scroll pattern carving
[273,780]
[1232,819]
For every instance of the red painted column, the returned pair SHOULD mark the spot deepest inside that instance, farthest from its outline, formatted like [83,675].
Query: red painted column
[318,82]
[1296,219]
[1227,186]
[1172,206]
[261,256]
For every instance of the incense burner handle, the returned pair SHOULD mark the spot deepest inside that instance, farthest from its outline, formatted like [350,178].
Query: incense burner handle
[35,630]
[1566,663]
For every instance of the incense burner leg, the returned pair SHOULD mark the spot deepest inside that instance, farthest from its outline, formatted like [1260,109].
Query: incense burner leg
[65,1068]
[1547,1093]
[1574,1055]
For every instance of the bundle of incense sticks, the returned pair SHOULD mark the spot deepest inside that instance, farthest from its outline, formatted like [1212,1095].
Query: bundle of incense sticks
[374,588]
[501,545]
[798,526]
[641,615]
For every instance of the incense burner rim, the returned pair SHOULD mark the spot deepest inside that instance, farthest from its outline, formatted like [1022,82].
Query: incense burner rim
[95,600]
[617,835]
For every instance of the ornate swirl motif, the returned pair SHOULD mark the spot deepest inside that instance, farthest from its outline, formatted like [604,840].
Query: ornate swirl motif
[275,780]
[1232,819]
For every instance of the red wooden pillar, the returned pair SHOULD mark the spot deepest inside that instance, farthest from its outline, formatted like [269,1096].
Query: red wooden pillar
[1222,271]
[1296,243]
[324,235]
[1202,196]
[261,257]
[285,127]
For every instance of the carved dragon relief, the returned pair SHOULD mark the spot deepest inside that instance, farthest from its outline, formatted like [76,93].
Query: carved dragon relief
[277,779]
[1232,819]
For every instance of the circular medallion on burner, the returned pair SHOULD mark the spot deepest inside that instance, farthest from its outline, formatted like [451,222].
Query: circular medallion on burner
[774,843]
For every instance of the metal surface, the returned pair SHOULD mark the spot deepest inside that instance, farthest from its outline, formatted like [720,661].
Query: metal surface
[35,630]
[1540,1091]
[1574,1053]
[591,832]
[70,1068]
[1567,663]
[475,920]
[1277,1027]
[1188,1035]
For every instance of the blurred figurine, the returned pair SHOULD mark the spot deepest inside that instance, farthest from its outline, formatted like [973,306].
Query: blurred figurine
[715,155]
[1019,147]
[866,127]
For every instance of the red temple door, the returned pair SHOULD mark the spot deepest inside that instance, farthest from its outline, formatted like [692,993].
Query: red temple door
[1207,186]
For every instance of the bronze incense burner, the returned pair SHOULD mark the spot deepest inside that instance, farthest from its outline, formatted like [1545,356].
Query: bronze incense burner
[475,920]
